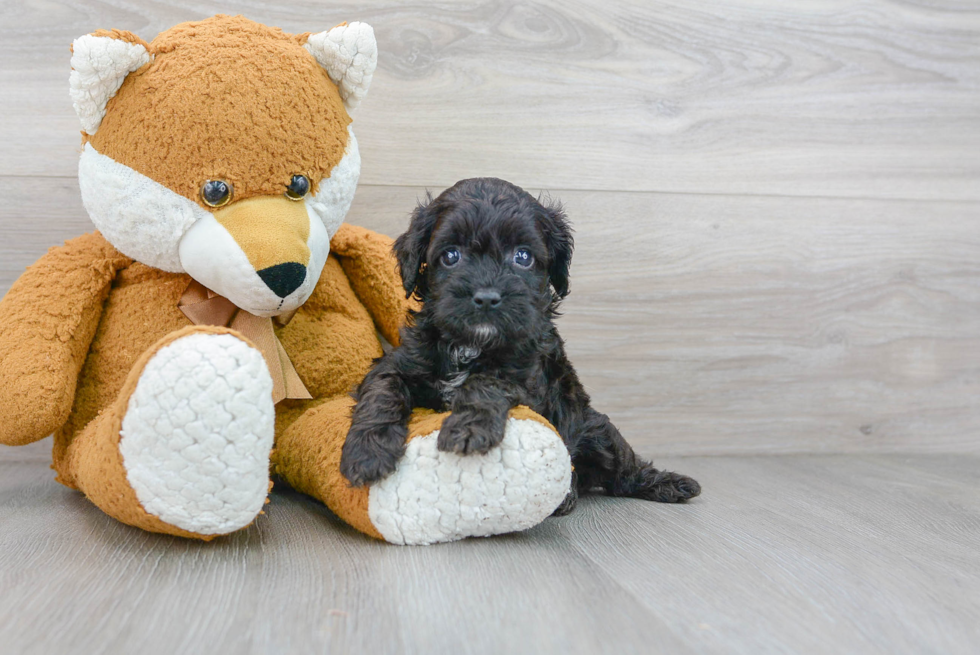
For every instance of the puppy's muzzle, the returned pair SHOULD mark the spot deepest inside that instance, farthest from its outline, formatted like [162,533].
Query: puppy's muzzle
[486,299]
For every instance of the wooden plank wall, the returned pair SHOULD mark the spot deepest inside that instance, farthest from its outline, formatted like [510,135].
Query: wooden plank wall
[777,204]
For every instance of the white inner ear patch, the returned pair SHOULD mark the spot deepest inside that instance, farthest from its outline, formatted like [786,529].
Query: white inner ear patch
[100,65]
[349,54]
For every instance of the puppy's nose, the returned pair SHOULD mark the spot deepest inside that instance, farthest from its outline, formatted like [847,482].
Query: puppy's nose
[283,279]
[486,299]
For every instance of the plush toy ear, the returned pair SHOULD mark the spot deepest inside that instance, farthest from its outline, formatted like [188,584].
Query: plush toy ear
[100,63]
[349,54]
[411,246]
[558,235]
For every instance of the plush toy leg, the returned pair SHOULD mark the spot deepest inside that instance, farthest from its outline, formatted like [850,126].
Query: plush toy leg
[185,448]
[432,496]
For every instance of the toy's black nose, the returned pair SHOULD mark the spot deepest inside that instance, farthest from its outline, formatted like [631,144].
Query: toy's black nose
[486,299]
[283,279]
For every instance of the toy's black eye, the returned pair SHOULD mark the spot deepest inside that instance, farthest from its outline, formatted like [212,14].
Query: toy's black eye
[298,187]
[216,193]
[450,257]
[523,258]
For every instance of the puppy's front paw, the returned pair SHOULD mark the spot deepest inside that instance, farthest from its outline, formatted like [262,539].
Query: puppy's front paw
[465,433]
[371,453]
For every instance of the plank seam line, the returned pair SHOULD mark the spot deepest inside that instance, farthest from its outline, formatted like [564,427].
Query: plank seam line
[556,190]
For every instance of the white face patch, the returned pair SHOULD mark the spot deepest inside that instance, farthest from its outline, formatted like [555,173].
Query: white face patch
[140,217]
[335,193]
[152,224]
[484,332]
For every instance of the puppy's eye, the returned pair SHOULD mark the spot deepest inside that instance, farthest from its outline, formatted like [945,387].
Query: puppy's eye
[298,187]
[523,258]
[450,258]
[216,193]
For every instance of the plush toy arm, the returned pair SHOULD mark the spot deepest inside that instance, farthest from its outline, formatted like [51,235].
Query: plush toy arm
[372,270]
[432,496]
[47,322]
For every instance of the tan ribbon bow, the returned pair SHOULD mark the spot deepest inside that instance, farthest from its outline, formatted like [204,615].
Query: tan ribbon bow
[204,307]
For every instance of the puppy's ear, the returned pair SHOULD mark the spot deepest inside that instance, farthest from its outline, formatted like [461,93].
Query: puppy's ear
[411,246]
[558,235]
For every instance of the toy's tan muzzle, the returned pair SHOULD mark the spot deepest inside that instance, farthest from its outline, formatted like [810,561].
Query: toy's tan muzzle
[273,232]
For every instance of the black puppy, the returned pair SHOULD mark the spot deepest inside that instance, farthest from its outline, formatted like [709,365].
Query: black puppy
[490,265]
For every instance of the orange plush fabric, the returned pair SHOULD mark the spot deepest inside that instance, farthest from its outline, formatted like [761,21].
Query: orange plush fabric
[157,124]
[49,316]
[371,267]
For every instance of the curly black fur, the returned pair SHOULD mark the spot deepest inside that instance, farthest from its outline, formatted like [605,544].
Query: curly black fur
[485,341]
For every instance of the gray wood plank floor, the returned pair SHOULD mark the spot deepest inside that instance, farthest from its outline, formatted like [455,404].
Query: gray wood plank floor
[805,553]
[778,226]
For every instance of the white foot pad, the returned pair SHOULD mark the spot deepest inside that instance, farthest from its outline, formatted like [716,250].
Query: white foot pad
[197,434]
[434,496]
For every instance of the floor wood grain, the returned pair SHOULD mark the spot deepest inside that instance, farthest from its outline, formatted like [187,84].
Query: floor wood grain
[777,209]
[859,99]
[815,554]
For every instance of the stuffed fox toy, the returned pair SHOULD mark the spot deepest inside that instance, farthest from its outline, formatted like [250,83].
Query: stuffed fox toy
[211,329]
